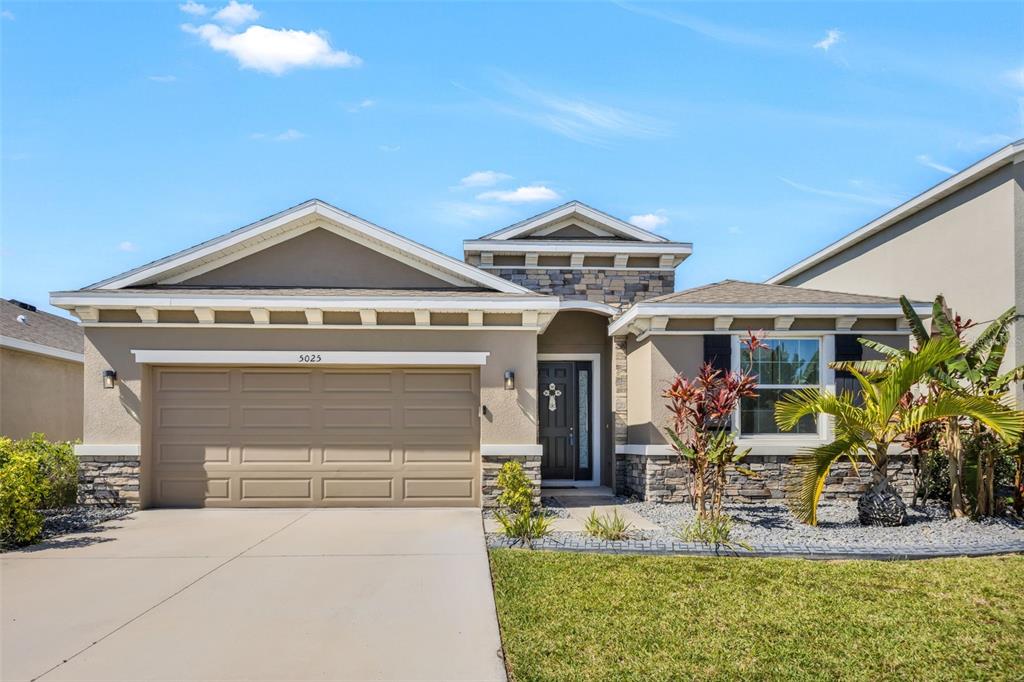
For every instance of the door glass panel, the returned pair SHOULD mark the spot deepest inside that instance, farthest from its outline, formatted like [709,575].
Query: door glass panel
[583,419]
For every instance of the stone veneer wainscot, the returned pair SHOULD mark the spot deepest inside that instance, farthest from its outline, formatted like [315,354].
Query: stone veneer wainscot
[108,480]
[489,477]
[663,478]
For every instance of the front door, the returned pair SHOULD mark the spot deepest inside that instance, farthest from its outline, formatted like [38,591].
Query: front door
[565,415]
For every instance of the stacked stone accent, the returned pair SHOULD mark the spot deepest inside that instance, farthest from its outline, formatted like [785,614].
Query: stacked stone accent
[663,478]
[620,399]
[619,288]
[489,478]
[108,480]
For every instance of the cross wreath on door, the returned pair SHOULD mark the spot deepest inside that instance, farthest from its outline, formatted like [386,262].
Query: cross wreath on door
[551,393]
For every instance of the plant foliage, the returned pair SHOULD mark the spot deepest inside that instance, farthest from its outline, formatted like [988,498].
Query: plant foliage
[34,474]
[607,526]
[516,515]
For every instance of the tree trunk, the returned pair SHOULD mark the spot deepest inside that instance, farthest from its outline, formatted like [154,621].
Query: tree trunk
[1018,484]
[986,489]
[953,446]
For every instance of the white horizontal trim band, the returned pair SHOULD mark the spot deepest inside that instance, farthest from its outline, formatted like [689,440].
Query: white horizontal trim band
[524,450]
[118,449]
[40,349]
[500,247]
[332,303]
[309,357]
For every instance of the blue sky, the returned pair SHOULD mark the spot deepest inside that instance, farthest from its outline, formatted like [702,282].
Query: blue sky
[760,132]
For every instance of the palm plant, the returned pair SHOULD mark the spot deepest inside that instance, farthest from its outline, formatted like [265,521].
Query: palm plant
[867,429]
[976,370]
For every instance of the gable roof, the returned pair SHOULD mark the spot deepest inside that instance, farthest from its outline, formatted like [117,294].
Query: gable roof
[607,225]
[291,222]
[1011,153]
[736,292]
[39,332]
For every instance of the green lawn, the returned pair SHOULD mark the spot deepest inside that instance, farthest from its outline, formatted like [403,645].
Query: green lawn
[571,616]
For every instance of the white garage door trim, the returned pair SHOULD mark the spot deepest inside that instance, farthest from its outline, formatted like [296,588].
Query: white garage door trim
[310,357]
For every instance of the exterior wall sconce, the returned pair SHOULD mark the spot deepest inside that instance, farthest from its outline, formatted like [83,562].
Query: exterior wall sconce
[109,377]
[510,380]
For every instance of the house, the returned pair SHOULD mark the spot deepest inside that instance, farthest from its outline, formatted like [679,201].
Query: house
[963,238]
[315,359]
[41,365]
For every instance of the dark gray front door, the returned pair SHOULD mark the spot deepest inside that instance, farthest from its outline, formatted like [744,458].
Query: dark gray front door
[564,413]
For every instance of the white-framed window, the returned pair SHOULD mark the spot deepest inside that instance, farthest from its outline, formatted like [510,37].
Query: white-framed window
[788,363]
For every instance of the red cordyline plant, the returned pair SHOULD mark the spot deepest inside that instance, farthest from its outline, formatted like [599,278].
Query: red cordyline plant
[699,432]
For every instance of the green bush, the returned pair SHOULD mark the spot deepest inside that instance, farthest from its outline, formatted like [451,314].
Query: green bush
[34,474]
[608,527]
[716,532]
[516,496]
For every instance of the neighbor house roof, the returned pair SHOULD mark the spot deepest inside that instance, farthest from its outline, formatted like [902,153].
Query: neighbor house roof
[733,298]
[38,332]
[1011,153]
[265,232]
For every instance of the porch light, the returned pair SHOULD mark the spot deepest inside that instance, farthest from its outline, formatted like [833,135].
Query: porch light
[510,380]
[109,377]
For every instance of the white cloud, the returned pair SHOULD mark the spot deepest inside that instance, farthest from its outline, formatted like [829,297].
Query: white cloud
[361,105]
[720,32]
[389,148]
[7,14]
[236,14]
[649,221]
[289,135]
[578,119]
[487,178]
[466,211]
[162,79]
[274,50]
[194,8]
[520,195]
[832,36]
[1015,77]
[926,160]
[874,200]
[128,246]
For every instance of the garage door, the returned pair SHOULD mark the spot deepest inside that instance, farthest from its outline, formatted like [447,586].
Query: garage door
[300,437]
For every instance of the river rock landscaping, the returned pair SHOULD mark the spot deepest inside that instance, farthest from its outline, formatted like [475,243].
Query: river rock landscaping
[769,528]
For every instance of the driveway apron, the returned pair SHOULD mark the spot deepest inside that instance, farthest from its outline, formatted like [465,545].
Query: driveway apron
[256,595]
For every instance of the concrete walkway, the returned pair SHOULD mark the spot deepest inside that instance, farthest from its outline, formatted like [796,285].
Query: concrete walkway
[255,595]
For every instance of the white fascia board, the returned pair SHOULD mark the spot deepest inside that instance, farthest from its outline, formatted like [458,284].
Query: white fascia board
[1011,153]
[40,349]
[677,310]
[524,450]
[588,306]
[309,208]
[311,357]
[116,300]
[563,246]
[575,207]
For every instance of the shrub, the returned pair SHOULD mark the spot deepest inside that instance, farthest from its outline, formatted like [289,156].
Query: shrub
[22,490]
[716,532]
[516,496]
[34,474]
[608,526]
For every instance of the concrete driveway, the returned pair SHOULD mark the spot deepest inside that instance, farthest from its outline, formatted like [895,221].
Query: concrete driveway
[256,594]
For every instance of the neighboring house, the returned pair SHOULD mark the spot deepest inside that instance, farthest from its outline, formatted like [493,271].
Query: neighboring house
[41,364]
[963,238]
[315,359]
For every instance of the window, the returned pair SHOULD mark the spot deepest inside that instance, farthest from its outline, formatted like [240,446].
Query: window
[786,364]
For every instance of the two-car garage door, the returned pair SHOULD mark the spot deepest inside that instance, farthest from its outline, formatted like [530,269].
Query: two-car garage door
[304,436]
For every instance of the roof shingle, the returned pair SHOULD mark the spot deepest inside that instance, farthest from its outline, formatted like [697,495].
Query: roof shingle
[39,327]
[735,292]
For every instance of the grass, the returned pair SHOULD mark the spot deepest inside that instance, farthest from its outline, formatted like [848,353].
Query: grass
[568,616]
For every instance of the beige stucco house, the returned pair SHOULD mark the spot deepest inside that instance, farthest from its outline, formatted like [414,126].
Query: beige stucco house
[963,238]
[41,363]
[315,359]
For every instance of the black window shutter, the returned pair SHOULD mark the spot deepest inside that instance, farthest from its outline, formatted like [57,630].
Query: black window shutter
[848,349]
[718,351]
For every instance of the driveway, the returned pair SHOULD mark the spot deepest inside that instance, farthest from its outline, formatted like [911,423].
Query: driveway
[256,594]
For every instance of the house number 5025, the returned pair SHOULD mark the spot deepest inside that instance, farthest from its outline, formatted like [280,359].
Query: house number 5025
[310,357]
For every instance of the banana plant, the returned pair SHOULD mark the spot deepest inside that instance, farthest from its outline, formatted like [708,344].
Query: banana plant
[975,371]
[869,428]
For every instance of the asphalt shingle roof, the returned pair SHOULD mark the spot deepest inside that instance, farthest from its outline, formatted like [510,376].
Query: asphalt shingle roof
[304,291]
[39,327]
[735,292]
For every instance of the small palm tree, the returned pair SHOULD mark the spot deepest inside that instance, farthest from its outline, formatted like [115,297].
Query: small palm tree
[869,428]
